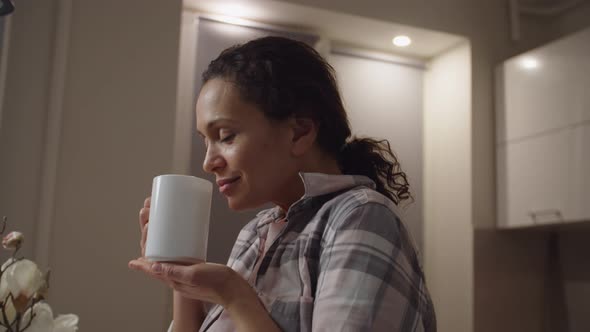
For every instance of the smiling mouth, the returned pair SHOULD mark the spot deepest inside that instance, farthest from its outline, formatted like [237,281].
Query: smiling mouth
[228,185]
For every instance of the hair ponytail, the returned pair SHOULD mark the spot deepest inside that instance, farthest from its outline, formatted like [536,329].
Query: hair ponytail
[374,159]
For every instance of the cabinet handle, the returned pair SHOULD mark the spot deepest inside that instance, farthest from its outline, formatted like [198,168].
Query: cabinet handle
[549,212]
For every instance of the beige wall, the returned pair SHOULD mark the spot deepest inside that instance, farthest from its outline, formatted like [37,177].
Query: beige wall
[117,132]
[447,188]
[24,115]
[385,100]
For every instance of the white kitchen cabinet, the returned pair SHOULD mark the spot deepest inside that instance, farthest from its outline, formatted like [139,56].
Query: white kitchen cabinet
[534,177]
[543,134]
[544,90]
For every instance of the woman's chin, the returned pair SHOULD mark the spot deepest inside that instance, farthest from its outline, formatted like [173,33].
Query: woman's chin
[236,204]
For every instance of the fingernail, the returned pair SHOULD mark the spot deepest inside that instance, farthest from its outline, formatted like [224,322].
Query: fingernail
[131,265]
[157,267]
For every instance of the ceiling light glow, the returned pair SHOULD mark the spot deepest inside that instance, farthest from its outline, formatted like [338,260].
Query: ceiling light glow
[401,41]
[529,63]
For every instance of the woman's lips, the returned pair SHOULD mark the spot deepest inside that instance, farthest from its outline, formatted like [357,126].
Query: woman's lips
[225,185]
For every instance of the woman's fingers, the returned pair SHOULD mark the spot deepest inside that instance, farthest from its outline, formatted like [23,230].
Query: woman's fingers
[143,224]
[143,239]
[208,282]
[144,215]
[144,266]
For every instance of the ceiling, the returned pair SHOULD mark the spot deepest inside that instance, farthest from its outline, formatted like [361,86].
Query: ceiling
[339,28]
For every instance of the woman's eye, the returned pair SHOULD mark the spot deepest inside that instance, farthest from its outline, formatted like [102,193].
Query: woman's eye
[227,137]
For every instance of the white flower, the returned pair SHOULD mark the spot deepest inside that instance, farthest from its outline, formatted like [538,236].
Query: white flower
[3,283]
[21,278]
[44,322]
[10,313]
[66,323]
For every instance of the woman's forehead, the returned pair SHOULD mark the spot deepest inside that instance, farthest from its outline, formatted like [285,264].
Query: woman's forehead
[221,99]
[216,97]
[217,91]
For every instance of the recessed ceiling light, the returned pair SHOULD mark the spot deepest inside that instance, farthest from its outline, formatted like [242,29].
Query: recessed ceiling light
[231,20]
[232,9]
[401,41]
[529,63]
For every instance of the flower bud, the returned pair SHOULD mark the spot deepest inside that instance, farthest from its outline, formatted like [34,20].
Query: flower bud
[13,240]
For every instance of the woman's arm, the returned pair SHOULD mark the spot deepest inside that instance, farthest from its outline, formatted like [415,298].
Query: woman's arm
[188,314]
[369,277]
[247,312]
[214,283]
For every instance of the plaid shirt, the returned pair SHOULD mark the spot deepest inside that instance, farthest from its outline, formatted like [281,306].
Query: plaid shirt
[343,262]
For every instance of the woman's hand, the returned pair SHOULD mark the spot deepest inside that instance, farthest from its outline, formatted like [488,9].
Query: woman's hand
[204,282]
[144,214]
[188,314]
[217,284]
[207,282]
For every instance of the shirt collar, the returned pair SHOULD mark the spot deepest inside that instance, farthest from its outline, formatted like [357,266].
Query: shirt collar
[318,184]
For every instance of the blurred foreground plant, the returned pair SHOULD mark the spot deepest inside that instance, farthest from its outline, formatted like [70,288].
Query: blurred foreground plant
[23,288]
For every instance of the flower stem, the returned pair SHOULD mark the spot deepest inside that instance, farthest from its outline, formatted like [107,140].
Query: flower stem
[4,316]
[32,315]
[4,220]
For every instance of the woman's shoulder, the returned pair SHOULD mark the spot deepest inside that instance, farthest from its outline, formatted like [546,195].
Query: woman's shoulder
[362,209]
[360,198]
[363,214]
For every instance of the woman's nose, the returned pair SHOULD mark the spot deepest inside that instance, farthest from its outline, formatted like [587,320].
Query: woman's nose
[213,160]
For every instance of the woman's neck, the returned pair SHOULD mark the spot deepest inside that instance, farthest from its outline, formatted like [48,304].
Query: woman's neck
[295,189]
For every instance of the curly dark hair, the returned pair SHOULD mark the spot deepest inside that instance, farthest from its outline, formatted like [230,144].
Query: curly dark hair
[288,78]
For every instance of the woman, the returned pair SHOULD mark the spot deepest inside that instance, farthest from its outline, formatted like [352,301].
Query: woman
[332,255]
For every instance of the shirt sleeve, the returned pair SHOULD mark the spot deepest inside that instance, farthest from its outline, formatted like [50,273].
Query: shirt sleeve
[369,275]
[170,327]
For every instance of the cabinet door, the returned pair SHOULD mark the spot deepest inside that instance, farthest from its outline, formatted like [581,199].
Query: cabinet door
[581,173]
[535,100]
[534,179]
[545,89]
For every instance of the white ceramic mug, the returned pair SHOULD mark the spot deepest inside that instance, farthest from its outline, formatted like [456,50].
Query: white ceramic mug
[179,219]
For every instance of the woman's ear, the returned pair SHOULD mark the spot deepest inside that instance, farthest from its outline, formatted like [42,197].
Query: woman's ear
[304,133]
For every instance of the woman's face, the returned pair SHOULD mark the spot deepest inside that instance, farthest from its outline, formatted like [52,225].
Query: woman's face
[249,155]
